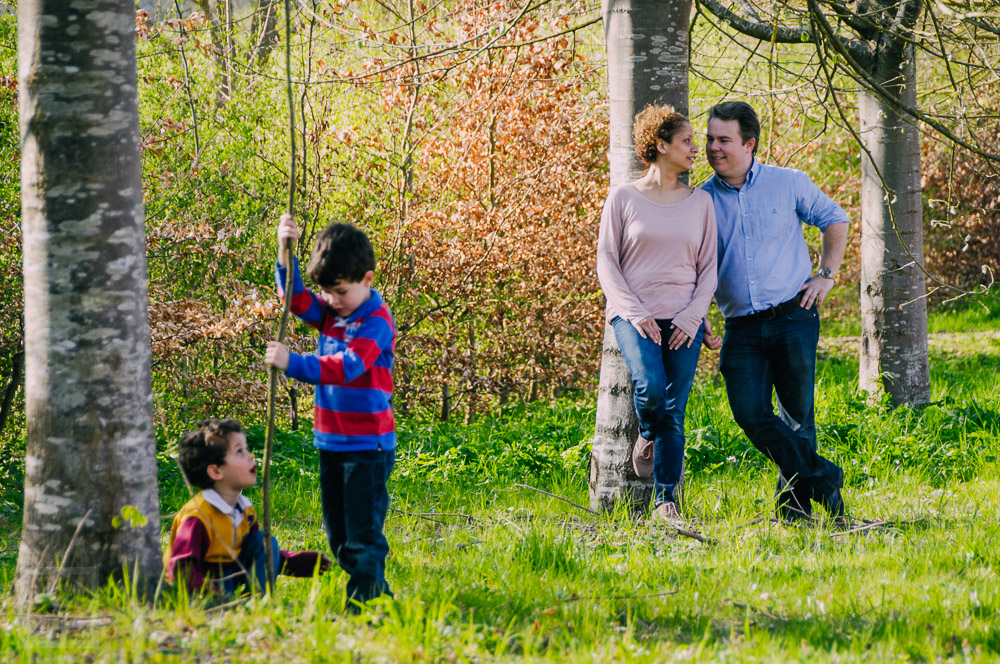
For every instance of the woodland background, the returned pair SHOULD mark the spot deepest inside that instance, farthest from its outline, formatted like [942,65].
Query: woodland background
[472,150]
[469,139]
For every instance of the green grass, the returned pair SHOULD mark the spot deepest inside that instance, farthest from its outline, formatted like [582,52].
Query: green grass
[977,314]
[486,571]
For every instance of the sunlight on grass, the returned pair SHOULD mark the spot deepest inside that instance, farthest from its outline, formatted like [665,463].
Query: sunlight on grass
[488,571]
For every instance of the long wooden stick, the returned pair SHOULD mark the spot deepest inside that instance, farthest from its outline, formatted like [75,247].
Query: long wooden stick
[289,250]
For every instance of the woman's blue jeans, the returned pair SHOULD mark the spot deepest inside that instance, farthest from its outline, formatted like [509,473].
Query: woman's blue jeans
[662,381]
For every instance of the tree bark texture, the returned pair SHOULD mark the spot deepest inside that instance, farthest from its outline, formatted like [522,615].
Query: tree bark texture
[893,289]
[88,398]
[647,51]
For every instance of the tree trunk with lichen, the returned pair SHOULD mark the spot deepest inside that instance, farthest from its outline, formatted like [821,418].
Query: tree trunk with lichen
[893,303]
[647,51]
[88,398]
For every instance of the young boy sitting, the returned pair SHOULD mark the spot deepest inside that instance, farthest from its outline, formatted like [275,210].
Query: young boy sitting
[216,538]
[353,424]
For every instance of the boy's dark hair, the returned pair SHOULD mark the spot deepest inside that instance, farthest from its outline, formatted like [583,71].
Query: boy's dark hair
[342,252]
[205,446]
[744,114]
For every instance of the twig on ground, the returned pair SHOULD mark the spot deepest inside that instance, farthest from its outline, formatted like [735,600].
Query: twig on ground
[766,614]
[868,526]
[695,536]
[427,515]
[565,500]
[752,522]
[74,623]
[229,605]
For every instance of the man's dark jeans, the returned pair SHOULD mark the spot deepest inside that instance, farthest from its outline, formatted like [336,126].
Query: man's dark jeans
[355,500]
[778,356]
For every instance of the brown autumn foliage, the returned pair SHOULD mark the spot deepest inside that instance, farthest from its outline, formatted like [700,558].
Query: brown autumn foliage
[479,173]
[962,197]
[501,231]
[481,184]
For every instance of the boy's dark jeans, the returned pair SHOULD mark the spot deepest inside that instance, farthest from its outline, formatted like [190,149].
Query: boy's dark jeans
[355,501]
[253,559]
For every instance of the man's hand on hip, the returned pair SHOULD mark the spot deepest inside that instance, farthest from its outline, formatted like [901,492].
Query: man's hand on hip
[814,291]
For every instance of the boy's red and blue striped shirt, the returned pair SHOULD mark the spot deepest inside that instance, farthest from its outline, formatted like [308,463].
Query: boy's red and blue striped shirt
[351,369]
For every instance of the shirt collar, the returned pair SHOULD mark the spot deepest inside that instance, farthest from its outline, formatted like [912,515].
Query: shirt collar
[751,176]
[218,502]
[373,303]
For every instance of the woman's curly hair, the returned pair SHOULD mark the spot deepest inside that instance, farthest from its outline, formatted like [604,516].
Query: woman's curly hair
[651,123]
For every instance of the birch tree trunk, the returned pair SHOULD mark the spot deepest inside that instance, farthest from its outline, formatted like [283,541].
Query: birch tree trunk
[647,51]
[88,399]
[893,306]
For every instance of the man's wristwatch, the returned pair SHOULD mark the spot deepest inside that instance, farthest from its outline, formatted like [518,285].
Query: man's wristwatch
[827,273]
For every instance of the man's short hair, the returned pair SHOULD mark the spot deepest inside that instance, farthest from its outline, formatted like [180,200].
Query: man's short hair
[342,252]
[744,114]
[206,446]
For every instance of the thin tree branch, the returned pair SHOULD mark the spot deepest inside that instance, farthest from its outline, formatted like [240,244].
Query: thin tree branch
[565,500]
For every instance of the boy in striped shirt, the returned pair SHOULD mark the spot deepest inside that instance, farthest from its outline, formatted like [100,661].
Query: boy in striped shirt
[353,424]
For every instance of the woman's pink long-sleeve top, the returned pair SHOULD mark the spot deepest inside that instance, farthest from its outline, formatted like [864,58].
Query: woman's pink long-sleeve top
[658,260]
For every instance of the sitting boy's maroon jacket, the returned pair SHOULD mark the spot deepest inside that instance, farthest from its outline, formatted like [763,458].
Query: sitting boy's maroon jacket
[207,534]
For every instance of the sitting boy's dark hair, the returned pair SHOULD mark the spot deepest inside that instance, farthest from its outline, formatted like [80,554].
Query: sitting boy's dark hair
[342,252]
[205,446]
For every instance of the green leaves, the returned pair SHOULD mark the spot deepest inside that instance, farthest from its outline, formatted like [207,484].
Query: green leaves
[131,515]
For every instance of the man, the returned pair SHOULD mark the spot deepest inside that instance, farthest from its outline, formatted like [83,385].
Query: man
[769,299]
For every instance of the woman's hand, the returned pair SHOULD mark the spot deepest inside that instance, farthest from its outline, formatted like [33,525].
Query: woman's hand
[678,338]
[648,329]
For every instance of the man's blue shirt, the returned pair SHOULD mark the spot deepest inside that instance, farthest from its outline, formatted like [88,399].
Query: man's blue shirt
[763,256]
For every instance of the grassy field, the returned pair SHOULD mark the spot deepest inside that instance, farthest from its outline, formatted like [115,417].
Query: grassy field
[488,571]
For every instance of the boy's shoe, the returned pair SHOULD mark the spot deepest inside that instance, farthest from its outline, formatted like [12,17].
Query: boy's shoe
[667,513]
[790,504]
[642,457]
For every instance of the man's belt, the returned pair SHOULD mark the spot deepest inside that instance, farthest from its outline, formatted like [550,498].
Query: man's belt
[770,313]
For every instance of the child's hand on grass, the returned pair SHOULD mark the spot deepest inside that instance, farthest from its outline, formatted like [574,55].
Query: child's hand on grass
[276,355]
[287,230]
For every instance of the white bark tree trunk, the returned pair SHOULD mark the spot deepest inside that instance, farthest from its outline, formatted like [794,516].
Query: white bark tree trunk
[647,51]
[88,398]
[893,304]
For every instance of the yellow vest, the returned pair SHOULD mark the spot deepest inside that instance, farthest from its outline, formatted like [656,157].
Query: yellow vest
[224,542]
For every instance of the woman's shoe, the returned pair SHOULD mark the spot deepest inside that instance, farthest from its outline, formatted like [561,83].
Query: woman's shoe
[667,513]
[642,457]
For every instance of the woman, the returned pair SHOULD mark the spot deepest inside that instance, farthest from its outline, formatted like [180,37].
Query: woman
[656,260]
